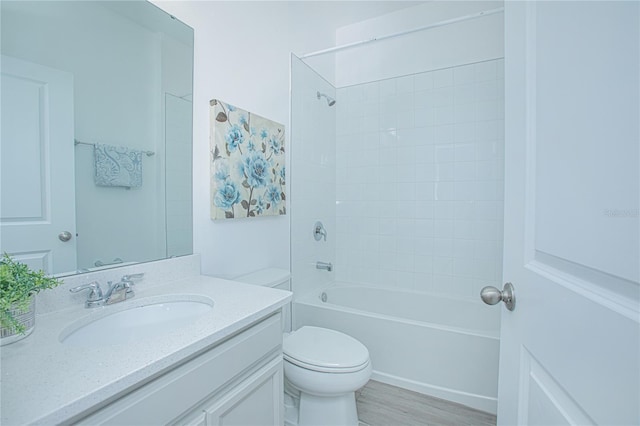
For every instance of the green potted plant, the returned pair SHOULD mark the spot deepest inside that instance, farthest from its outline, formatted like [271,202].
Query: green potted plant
[18,287]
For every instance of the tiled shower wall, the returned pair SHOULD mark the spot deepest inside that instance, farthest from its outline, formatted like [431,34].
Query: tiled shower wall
[419,180]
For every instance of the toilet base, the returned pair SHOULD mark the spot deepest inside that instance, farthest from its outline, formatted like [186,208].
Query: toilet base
[303,409]
[328,410]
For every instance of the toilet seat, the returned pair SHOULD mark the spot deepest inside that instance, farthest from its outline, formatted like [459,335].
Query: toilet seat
[324,350]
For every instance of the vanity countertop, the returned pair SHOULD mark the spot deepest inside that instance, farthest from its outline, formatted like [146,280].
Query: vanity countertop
[46,382]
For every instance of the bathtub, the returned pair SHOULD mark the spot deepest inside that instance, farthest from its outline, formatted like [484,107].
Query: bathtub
[437,346]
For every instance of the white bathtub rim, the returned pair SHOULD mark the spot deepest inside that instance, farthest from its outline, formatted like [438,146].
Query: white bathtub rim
[475,401]
[313,299]
[343,283]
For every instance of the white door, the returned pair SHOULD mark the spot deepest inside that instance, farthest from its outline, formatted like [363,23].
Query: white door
[570,351]
[37,155]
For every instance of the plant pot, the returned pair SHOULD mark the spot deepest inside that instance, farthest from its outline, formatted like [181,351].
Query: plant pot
[25,317]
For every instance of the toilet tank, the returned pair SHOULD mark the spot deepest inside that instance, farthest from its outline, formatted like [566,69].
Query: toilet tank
[275,278]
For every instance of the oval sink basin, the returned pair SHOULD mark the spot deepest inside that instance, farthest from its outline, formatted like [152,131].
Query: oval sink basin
[145,318]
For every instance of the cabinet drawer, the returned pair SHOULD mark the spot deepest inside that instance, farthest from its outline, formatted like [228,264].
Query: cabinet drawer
[177,391]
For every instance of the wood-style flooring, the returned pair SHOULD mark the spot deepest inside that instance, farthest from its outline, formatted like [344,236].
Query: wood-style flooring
[380,404]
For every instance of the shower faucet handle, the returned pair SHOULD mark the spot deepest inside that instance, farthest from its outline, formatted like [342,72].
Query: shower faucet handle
[319,231]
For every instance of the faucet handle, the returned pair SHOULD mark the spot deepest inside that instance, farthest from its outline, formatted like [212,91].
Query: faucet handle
[129,280]
[95,293]
[319,231]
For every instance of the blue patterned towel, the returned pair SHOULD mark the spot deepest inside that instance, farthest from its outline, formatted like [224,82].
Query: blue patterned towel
[117,166]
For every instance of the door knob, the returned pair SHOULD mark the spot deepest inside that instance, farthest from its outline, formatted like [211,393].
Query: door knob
[491,295]
[64,236]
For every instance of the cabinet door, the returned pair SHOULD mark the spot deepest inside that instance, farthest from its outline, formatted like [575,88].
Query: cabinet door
[256,401]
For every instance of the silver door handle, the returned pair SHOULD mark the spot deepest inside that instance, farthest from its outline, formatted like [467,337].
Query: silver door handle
[491,295]
[64,236]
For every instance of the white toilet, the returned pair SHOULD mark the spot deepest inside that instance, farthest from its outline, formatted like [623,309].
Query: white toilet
[323,368]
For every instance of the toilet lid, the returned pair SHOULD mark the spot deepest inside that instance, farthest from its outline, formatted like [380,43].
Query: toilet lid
[322,349]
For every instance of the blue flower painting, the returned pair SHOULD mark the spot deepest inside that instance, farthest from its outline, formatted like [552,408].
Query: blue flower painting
[247,164]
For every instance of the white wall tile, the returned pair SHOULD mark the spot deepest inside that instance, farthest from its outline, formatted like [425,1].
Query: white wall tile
[425,154]
[443,209]
[371,91]
[465,151]
[464,209]
[443,115]
[465,93]
[420,190]
[423,264]
[443,133]
[423,99]
[423,246]
[464,132]
[405,119]
[444,190]
[442,96]
[487,90]
[425,172]
[465,170]
[387,88]
[424,116]
[463,248]
[464,113]
[464,74]
[444,171]
[387,121]
[443,78]
[406,245]
[404,101]
[423,81]
[463,229]
[406,155]
[444,153]
[486,71]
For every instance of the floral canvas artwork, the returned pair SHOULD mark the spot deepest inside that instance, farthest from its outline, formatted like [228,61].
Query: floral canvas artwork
[247,164]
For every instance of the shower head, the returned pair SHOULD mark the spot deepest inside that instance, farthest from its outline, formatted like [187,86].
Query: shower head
[330,101]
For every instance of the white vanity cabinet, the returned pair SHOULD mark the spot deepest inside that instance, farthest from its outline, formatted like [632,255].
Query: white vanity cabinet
[255,401]
[236,382]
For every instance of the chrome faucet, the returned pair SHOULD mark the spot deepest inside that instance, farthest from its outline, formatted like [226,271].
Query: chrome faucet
[117,292]
[324,265]
[319,232]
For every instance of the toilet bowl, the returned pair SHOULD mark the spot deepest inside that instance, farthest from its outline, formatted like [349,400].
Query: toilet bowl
[326,367]
[322,368]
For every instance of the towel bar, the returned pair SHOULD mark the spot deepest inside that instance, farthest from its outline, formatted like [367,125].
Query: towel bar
[77,142]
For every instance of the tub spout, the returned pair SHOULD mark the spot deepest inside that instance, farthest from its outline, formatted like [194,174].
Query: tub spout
[324,265]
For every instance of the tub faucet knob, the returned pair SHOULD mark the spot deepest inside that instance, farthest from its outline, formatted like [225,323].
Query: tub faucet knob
[319,231]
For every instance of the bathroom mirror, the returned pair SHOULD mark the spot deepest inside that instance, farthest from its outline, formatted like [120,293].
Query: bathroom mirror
[79,73]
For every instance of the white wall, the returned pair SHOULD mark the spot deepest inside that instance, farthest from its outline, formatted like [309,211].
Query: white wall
[455,44]
[242,57]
